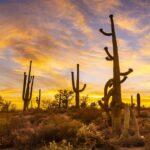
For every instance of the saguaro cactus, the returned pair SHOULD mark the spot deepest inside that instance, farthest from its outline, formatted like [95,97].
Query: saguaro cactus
[113,86]
[132,103]
[76,88]
[27,88]
[138,103]
[38,99]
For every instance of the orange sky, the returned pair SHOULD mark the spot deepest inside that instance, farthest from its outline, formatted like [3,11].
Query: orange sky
[58,34]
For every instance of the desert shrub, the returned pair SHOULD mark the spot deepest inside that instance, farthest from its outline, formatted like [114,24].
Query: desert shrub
[132,142]
[30,131]
[59,127]
[86,115]
[88,131]
[64,145]
[5,106]
[5,137]
[144,114]
[91,138]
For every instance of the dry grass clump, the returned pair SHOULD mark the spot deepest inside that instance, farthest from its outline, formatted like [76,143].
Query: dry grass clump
[28,130]
[132,142]
[58,127]
[5,137]
[89,137]
[63,145]
[144,114]
[87,115]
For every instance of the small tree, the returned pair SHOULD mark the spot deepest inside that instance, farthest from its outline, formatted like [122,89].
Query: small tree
[58,98]
[63,97]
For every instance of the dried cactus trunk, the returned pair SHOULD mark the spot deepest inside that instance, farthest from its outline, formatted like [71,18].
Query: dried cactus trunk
[115,83]
[125,132]
[76,88]
[136,126]
[38,99]
[138,103]
[27,88]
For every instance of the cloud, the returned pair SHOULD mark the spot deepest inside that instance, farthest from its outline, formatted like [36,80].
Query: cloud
[100,6]
[57,35]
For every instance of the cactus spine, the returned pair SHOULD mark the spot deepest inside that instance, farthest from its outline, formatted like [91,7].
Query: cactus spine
[113,86]
[38,99]
[76,88]
[138,103]
[27,88]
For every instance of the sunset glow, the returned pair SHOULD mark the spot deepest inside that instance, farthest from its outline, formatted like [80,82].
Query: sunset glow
[58,34]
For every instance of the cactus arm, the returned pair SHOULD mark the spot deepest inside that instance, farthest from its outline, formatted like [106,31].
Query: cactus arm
[105,108]
[107,85]
[127,72]
[32,81]
[107,97]
[24,86]
[30,68]
[73,83]
[83,88]
[124,79]
[110,57]
[107,34]
[77,81]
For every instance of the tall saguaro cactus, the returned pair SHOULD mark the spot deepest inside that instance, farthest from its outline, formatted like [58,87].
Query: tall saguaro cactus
[76,88]
[113,86]
[38,99]
[27,88]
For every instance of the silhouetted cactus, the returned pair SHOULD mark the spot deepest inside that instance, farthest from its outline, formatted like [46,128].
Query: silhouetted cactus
[27,88]
[138,103]
[76,88]
[38,99]
[132,103]
[113,86]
